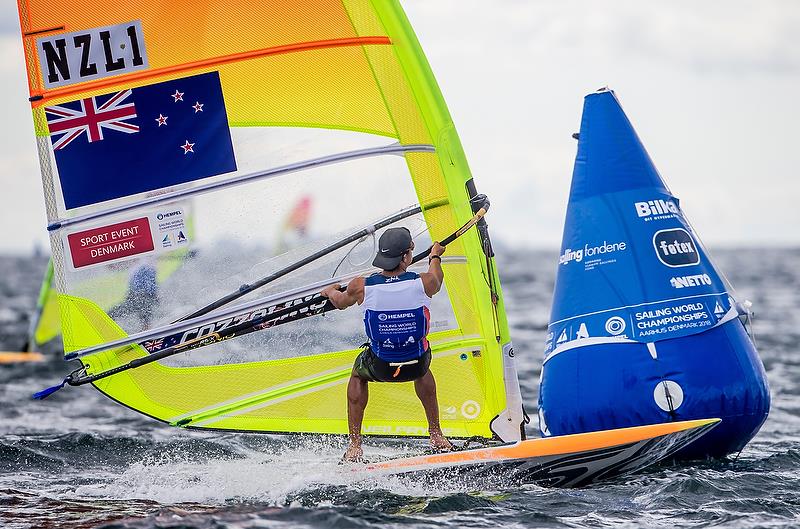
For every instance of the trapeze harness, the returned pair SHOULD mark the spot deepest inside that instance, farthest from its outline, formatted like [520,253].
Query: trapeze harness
[396,318]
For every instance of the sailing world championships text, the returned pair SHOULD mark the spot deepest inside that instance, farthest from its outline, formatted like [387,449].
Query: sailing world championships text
[103,244]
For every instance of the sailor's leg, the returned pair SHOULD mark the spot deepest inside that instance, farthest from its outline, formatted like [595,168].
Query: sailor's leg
[357,396]
[426,391]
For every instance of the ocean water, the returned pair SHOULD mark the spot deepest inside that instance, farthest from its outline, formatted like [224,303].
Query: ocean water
[77,460]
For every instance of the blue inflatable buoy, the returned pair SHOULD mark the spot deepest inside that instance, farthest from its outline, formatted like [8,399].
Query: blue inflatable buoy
[643,328]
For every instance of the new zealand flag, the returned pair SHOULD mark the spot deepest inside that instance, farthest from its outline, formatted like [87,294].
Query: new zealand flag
[141,139]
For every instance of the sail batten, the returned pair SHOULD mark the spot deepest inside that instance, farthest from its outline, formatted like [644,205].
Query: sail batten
[239,180]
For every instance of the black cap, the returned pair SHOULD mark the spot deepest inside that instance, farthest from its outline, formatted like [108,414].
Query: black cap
[392,245]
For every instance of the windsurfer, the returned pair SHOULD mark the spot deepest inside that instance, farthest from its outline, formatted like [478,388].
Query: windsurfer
[396,318]
[142,296]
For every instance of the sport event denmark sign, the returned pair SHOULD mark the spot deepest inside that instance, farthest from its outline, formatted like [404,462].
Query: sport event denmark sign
[108,243]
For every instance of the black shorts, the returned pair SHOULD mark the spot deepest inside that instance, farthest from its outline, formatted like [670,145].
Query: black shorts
[372,369]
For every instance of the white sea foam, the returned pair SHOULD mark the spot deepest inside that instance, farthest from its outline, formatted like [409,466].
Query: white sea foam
[273,478]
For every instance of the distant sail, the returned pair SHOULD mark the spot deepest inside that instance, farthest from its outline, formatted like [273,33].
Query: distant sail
[46,319]
[643,328]
[294,230]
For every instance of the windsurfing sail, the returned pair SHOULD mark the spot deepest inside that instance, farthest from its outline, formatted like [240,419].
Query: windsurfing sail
[45,324]
[244,108]
[295,227]
[641,320]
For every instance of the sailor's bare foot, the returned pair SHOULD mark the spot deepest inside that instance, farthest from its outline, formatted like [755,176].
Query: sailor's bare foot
[354,454]
[439,442]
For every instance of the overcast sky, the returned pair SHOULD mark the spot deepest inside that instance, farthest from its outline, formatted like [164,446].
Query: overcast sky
[712,88]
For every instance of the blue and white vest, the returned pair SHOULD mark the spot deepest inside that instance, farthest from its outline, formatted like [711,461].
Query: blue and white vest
[396,316]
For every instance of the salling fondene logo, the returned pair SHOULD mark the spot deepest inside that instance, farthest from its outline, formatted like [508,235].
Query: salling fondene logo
[676,248]
[578,255]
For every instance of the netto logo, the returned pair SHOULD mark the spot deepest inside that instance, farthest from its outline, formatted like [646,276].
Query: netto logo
[656,207]
[162,216]
[675,248]
[697,280]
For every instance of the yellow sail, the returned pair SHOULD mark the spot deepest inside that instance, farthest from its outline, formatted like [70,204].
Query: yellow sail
[330,99]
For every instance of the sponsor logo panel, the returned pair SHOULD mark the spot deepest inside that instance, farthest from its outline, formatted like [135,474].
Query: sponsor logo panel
[593,255]
[110,243]
[656,209]
[643,323]
[170,228]
[697,280]
[676,248]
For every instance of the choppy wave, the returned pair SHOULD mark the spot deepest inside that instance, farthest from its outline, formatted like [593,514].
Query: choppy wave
[77,460]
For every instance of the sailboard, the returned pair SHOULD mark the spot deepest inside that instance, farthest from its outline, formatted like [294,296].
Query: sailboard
[575,460]
[641,319]
[19,357]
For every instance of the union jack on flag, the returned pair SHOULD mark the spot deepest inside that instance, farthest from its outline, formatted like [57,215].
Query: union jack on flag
[154,345]
[91,119]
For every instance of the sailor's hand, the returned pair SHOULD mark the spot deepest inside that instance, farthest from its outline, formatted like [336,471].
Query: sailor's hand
[327,291]
[437,249]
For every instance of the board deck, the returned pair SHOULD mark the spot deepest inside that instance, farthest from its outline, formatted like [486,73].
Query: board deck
[564,461]
[15,357]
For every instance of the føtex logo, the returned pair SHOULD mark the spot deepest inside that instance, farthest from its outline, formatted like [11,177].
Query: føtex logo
[676,248]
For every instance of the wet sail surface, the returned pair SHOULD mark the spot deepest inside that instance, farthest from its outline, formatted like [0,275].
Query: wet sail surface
[194,157]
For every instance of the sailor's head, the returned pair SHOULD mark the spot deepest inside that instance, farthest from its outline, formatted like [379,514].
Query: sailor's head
[394,247]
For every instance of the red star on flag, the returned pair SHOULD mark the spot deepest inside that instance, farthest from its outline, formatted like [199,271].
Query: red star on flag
[198,107]
[178,96]
[187,147]
[161,119]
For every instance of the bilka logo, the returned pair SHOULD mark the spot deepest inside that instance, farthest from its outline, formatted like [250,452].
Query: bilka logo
[675,248]
[70,58]
[697,280]
[656,209]
[578,255]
